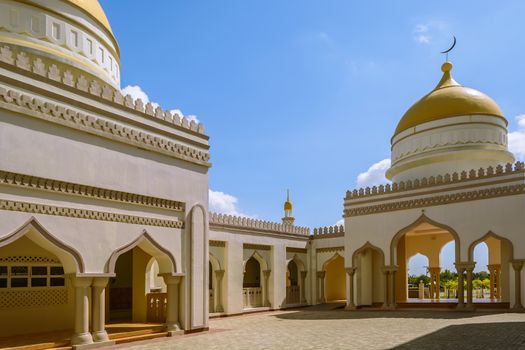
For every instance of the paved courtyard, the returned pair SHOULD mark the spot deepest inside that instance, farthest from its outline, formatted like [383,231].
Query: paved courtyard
[319,328]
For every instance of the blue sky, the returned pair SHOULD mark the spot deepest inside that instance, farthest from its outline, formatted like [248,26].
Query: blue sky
[305,94]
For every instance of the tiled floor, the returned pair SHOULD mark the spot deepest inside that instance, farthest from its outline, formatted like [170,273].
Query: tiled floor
[318,328]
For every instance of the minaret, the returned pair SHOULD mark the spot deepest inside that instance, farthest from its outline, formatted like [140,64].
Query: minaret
[288,219]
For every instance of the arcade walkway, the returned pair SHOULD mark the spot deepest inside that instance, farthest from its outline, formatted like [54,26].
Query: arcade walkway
[319,328]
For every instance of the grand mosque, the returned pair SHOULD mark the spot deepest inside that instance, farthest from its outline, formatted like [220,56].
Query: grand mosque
[104,220]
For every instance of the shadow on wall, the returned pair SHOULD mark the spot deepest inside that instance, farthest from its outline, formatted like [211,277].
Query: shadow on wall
[336,313]
[504,335]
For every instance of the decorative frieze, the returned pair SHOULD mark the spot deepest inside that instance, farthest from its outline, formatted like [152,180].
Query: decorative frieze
[63,115]
[438,200]
[220,244]
[86,214]
[40,183]
[256,246]
[78,80]
[28,259]
[255,225]
[296,250]
[33,298]
[329,232]
[440,180]
[330,249]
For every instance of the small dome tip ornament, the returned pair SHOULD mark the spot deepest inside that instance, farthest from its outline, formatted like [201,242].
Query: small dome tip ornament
[450,48]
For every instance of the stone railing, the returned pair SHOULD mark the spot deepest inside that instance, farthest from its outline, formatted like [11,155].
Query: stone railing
[447,179]
[329,231]
[259,225]
[76,79]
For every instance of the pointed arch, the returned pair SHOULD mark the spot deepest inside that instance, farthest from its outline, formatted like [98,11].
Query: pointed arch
[259,258]
[366,246]
[483,238]
[69,257]
[215,262]
[146,242]
[421,220]
[300,264]
[332,258]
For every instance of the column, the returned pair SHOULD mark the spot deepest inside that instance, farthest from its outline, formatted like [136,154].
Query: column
[219,274]
[386,274]
[303,286]
[172,308]
[461,302]
[431,284]
[98,299]
[517,265]
[470,269]
[350,305]
[438,283]
[393,271]
[498,282]
[81,335]
[491,272]
[320,277]
[266,301]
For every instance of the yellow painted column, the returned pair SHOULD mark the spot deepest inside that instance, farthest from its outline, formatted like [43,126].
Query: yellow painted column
[98,299]
[303,286]
[491,271]
[219,274]
[350,304]
[320,276]
[498,282]
[266,290]
[438,283]
[517,265]
[461,294]
[172,308]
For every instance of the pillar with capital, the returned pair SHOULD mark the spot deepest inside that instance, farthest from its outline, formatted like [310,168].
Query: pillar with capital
[461,293]
[350,304]
[517,265]
[219,274]
[320,279]
[98,299]
[266,301]
[303,287]
[470,269]
[386,274]
[172,307]
[81,335]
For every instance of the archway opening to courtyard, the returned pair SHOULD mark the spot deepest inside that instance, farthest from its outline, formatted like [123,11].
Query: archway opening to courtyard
[335,279]
[252,284]
[293,291]
[430,282]
[369,262]
[492,256]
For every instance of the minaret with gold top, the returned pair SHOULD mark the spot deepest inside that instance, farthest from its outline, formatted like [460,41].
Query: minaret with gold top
[288,219]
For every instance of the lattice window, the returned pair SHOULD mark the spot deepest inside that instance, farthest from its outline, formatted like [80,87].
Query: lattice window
[11,298]
[30,272]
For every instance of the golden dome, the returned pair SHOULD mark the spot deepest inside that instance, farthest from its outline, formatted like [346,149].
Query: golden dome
[448,99]
[94,10]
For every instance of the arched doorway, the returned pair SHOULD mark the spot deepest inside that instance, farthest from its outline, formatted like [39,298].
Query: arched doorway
[492,255]
[369,263]
[251,284]
[35,295]
[335,279]
[418,279]
[427,238]
[293,291]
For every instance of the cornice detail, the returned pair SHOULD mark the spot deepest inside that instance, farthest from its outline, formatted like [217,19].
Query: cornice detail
[440,180]
[256,225]
[28,105]
[75,79]
[296,250]
[438,200]
[256,246]
[86,214]
[40,183]
[330,249]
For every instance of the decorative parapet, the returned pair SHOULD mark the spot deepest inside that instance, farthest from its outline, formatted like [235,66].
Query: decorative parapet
[78,80]
[257,225]
[329,232]
[18,101]
[440,180]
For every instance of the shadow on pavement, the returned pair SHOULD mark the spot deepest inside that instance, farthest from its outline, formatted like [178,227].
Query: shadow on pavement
[504,335]
[336,311]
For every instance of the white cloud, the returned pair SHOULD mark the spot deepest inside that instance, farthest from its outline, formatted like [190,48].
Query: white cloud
[136,92]
[375,175]
[224,203]
[340,222]
[421,34]
[517,139]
